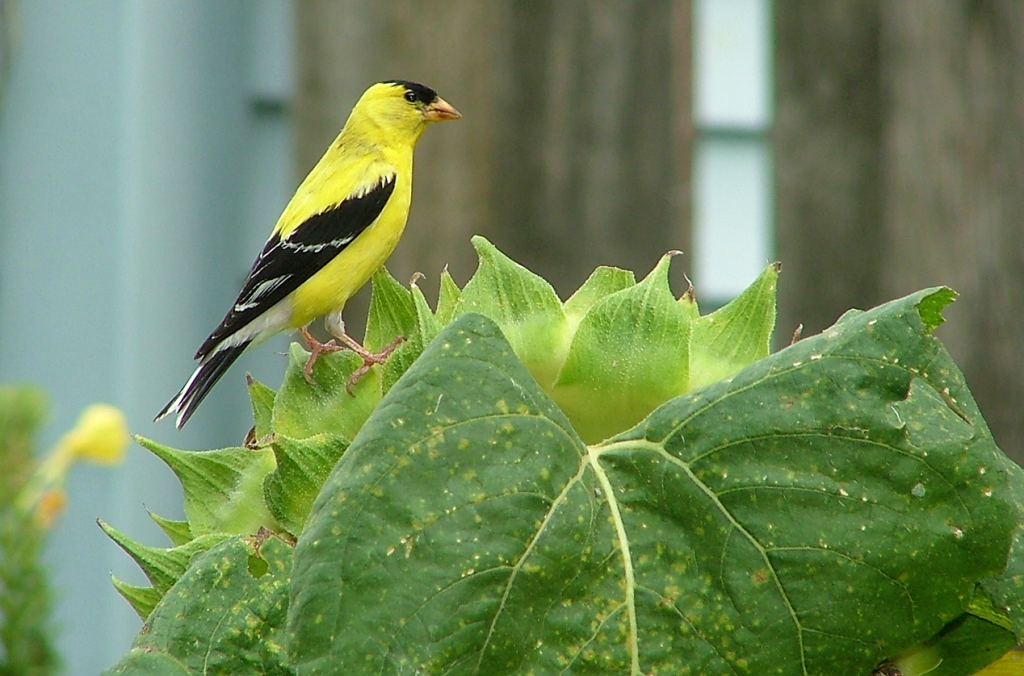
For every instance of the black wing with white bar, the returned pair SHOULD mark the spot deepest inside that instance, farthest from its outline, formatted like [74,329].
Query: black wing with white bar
[285,263]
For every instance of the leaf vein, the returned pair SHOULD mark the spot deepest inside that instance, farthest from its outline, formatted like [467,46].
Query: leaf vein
[857,561]
[526,553]
[670,603]
[593,636]
[753,541]
[627,561]
[786,370]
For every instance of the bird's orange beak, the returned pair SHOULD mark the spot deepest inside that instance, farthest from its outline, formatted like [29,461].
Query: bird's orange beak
[439,111]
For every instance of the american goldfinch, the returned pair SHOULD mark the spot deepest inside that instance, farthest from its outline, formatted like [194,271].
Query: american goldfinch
[343,222]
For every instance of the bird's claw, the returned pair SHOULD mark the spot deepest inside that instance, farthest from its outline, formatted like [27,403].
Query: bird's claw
[316,348]
[369,359]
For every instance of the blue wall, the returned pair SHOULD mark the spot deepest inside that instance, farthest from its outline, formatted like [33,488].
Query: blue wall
[140,170]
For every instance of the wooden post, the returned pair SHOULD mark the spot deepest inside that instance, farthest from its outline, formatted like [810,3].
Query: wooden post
[954,177]
[593,143]
[828,165]
[574,149]
[900,150]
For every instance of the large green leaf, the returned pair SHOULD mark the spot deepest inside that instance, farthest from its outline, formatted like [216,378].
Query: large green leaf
[1006,588]
[409,545]
[219,618]
[815,513]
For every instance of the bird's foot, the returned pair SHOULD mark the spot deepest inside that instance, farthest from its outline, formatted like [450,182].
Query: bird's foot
[369,358]
[316,348]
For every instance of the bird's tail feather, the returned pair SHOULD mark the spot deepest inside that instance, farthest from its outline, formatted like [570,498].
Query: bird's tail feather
[202,381]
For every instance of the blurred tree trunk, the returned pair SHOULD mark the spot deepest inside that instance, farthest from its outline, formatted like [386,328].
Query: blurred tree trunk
[574,148]
[954,207]
[828,132]
[927,189]
[593,136]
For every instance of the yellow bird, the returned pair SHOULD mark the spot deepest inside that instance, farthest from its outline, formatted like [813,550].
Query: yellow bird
[343,222]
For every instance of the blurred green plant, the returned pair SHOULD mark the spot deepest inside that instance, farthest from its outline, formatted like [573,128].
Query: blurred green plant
[613,484]
[31,498]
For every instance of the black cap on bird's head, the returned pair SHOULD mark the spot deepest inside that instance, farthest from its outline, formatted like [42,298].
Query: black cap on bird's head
[414,91]
[398,108]
[435,109]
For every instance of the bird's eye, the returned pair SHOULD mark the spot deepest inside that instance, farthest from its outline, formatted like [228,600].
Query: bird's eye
[410,97]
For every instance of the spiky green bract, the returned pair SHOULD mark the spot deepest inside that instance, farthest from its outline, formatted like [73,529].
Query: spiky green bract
[303,410]
[219,618]
[603,282]
[163,566]
[736,335]
[262,398]
[141,599]
[223,488]
[399,312]
[178,532]
[630,353]
[425,327]
[391,312]
[447,297]
[302,467]
[523,305]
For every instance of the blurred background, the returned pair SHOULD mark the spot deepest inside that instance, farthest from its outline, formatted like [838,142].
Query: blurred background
[875,147]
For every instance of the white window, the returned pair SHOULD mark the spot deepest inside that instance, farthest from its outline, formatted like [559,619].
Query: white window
[732,170]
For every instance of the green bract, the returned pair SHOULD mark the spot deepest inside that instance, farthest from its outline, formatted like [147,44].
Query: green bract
[610,485]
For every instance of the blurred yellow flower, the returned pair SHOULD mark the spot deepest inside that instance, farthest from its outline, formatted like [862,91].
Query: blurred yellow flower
[100,436]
